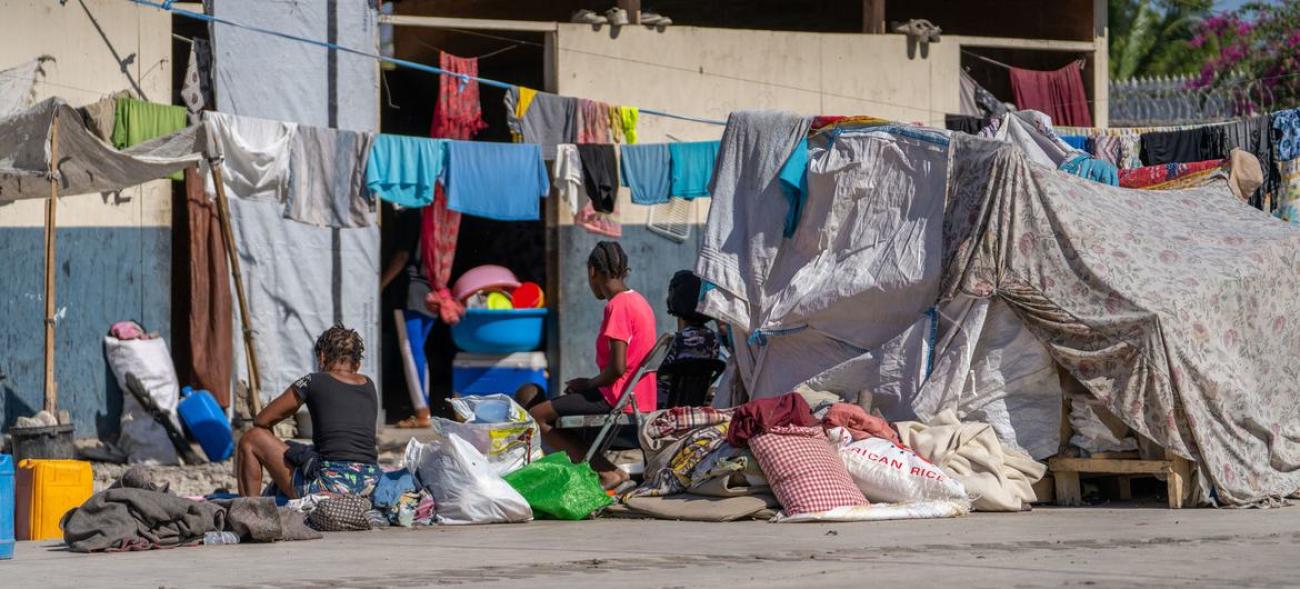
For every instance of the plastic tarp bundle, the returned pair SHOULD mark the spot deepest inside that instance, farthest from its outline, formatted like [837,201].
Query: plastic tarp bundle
[143,439]
[862,267]
[1173,308]
[86,163]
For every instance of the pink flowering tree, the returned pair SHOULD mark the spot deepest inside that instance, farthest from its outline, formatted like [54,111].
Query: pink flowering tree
[1258,57]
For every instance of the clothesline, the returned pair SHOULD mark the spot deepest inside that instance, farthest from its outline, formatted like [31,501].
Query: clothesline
[167,6]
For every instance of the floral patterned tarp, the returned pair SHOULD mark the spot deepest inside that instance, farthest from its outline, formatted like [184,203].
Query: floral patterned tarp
[1179,310]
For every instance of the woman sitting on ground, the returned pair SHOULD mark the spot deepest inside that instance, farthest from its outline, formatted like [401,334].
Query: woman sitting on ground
[344,408]
[627,335]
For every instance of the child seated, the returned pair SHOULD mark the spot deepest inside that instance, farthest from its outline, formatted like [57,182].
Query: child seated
[694,340]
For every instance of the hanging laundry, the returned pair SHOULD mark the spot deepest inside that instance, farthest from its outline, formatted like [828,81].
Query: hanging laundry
[1288,193]
[978,102]
[622,124]
[439,231]
[569,184]
[196,91]
[1185,145]
[593,121]
[255,155]
[403,170]
[458,114]
[1244,174]
[1091,168]
[1286,134]
[208,306]
[1060,94]
[1108,149]
[137,121]
[18,86]
[541,118]
[1153,177]
[600,175]
[327,180]
[971,125]
[794,184]
[1255,135]
[567,176]
[100,116]
[1078,142]
[647,172]
[499,181]
[692,167]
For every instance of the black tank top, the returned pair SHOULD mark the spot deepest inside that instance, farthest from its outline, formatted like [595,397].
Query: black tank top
[343,417]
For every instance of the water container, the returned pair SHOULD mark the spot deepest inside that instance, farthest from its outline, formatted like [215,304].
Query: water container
[207,423]
[490,374]
[6,507]
[44,490]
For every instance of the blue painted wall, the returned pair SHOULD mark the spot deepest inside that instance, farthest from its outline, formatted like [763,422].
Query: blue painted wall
[654,260]
[104,275]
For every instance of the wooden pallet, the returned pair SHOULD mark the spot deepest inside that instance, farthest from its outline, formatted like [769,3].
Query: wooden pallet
[1066,471]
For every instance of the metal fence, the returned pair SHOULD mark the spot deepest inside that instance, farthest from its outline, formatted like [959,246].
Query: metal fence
[1164,100]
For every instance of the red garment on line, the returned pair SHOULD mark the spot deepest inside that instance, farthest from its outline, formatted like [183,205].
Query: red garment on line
[458,114]
[1059,94]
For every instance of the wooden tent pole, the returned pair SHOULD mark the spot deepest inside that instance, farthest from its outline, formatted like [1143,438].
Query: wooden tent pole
[51,210]
[223,215]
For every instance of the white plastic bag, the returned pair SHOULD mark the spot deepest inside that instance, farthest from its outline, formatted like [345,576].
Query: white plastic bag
[888,473]
[142,438]
[463,485]
[880,512]
[510,439]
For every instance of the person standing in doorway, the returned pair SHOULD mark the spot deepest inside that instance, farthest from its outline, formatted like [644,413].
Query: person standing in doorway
[405,272]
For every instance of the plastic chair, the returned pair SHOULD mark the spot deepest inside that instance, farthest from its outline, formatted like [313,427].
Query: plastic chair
[617,417]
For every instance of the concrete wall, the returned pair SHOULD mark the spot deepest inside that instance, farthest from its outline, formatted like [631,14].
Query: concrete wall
[114,253]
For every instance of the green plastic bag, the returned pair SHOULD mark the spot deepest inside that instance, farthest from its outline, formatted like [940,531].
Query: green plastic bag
[556,488]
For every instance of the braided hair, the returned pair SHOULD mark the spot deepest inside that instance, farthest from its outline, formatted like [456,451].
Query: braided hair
[340,344]
[608,259]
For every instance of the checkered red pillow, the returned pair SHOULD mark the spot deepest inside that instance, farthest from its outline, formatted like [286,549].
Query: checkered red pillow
[805,473]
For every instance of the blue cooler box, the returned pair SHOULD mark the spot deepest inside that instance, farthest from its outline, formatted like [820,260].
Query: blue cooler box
[6,507]
[490,374]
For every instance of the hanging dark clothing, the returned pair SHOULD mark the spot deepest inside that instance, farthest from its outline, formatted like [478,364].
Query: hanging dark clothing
[1254,135]
[599,174]
[1183,146]
[211,335]
[965,123]
[1059,94]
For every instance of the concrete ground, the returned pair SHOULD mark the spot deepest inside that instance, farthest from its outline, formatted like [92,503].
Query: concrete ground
[1049,547]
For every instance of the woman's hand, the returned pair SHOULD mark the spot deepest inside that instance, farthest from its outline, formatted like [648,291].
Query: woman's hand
[578,385]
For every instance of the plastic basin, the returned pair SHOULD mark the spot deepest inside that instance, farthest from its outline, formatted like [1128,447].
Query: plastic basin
[500,331]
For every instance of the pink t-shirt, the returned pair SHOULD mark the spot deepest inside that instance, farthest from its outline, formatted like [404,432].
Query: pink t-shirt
[629,318]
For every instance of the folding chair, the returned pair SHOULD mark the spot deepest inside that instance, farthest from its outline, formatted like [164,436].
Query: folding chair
[617,417]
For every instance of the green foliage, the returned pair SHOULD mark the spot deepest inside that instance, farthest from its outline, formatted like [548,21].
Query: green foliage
[1152,37]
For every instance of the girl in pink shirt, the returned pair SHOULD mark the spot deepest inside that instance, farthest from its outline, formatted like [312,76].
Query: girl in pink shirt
[627,335]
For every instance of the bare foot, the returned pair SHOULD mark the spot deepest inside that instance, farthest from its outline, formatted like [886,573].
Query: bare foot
[613,478]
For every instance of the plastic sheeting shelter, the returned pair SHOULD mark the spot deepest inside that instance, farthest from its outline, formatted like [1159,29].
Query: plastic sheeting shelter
[1174,309]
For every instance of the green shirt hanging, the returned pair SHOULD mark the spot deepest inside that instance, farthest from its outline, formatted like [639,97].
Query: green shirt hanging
[137,121]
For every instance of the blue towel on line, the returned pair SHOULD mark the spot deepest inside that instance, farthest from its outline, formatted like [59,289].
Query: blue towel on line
[403,170]
[692,167]
[646,170]
[499,181]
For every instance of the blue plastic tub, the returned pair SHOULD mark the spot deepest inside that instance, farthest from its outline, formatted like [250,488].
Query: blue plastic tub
[488,331]
[6,507]
[491,374]
[207,423]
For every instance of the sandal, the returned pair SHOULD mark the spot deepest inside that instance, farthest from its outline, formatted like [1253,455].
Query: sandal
[414,422]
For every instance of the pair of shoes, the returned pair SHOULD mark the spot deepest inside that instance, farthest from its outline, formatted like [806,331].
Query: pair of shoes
[588,17]
[920,29]
[651,19]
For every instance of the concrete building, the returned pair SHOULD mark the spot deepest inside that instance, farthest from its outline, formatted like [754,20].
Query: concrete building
[116,253]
